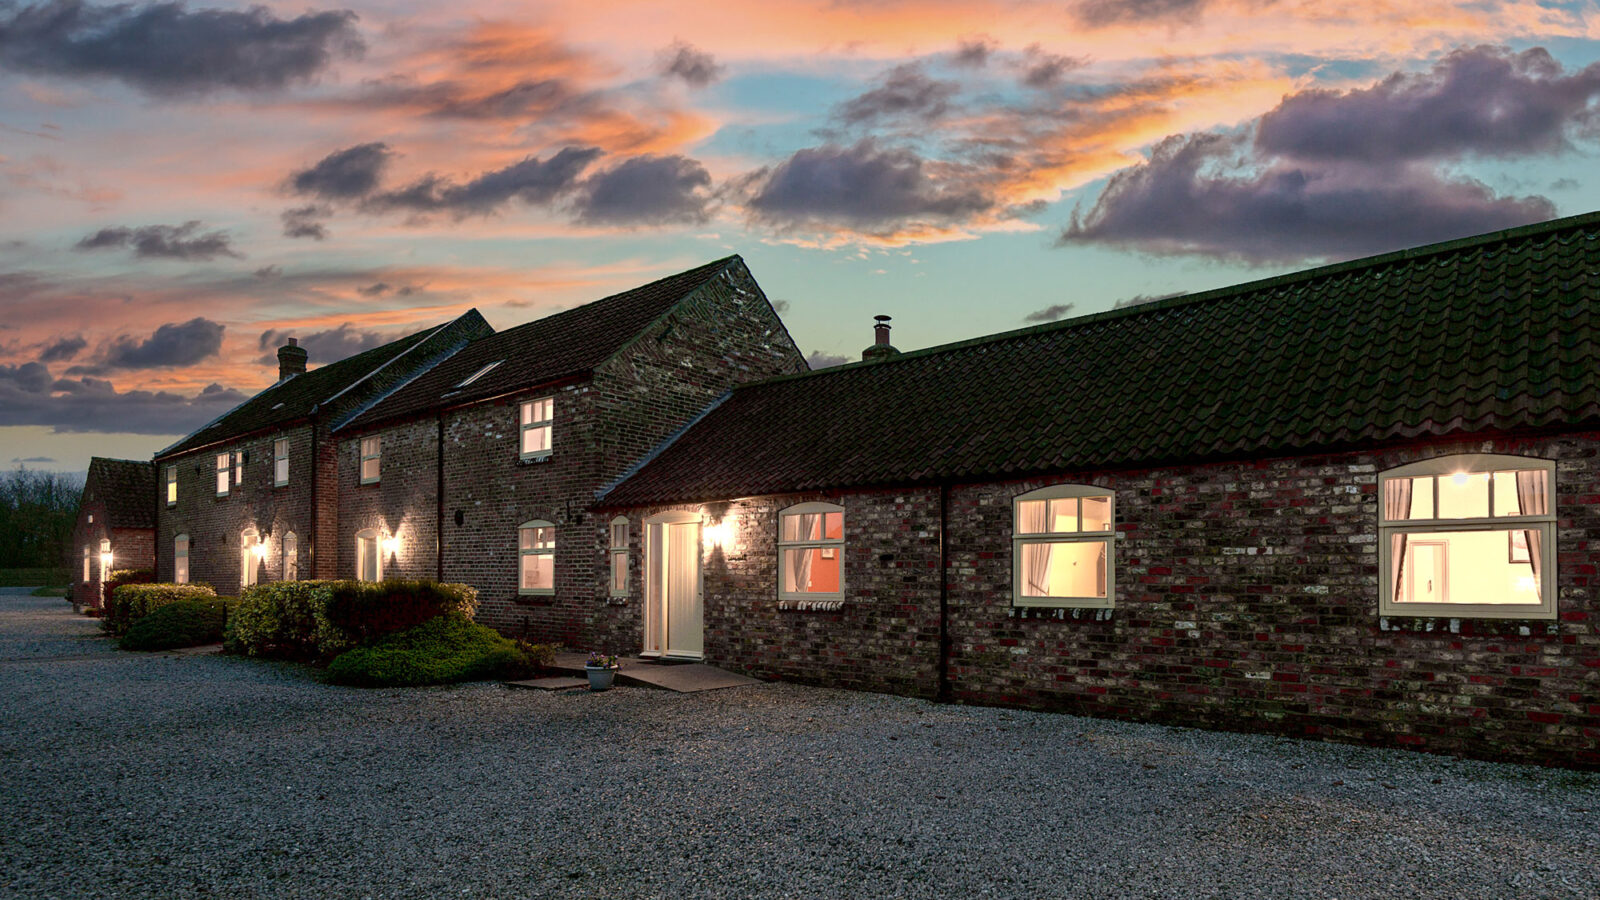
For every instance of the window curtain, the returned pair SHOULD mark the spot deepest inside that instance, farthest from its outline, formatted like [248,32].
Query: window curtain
[800,558]
[1034,518]
[1397,508]
[1533,499]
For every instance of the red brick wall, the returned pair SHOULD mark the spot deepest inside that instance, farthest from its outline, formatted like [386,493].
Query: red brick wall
[214,524]
[1247,599]
[88,534]
[401,503]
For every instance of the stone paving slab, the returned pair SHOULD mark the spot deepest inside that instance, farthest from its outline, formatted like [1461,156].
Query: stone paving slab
[684,678]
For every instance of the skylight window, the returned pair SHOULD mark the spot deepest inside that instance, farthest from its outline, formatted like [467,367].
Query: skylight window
[480,373]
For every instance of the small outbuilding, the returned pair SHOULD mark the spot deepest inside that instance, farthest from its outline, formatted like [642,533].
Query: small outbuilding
[116,526]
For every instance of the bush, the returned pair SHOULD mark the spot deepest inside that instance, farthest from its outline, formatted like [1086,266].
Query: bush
[187,623]
[132,602]
[311,619]
[443,650]
[364,611]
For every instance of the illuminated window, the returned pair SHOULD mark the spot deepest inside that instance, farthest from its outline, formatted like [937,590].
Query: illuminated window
[86,573]
[369,559]
[105,560]
[811,551]
[280,462]
[537,543]
[250,554]
[180,559]
[172,485]
[222,474]
[1468,536]
[238,466]
[1061,545]
[538,418]
[291,557]
[371,454]
[619,556]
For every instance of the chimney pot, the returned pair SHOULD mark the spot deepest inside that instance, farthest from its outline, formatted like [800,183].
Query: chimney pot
[291,360]
[881,348]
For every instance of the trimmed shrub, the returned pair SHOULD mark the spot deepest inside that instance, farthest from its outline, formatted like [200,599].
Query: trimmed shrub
[118,577]
[311,619]
[443,650]
[187,623]
[279,619]
[132,602]
[364,611]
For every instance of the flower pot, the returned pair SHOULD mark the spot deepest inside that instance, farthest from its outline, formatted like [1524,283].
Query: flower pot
[600,677]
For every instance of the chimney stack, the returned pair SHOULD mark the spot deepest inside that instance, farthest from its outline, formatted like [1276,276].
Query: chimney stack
[881,348]
[291,360]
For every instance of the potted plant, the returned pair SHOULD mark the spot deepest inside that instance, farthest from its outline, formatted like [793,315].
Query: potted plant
[602,671]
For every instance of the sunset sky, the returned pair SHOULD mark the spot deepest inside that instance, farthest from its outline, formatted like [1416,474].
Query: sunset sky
[184,184]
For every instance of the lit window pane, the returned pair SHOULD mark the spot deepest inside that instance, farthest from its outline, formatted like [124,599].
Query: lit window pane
[619,535]
[1096,513]
[538,571]
[833,526]
[1064,515]
[1066,569]
[1032,517]
[1464,495]
[369,469]
[536,440]
[1500,567]
[1523,493]
[811,570]
[619,571]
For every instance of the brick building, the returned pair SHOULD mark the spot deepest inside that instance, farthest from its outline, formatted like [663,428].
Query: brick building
[116,525]
[484,469]
[252,496]
[1360,502]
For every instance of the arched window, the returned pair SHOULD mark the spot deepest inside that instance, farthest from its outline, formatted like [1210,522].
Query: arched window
[291,557]
[369,562]
[1468,536]
[105,560]
[619,556]
[251,551]
[811,552]
[536,541]
[180,559]
[1062,544]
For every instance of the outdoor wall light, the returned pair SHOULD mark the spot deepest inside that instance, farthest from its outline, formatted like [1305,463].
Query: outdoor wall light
[105,559]
[391,544]
[260,550]
[718,534]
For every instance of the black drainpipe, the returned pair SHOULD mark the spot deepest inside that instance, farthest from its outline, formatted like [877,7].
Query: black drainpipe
[943,695]
[438,539]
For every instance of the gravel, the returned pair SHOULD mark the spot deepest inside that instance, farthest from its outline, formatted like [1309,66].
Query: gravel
[153,775]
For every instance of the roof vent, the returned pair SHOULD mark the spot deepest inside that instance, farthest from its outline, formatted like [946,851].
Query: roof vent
[291,360]
[881,348]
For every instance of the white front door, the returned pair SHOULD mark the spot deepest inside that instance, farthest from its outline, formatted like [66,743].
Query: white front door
[674,615]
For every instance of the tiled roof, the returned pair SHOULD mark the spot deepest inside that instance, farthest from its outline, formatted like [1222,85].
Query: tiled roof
[127,487]
[296,398]
[1488,334]
[549,349]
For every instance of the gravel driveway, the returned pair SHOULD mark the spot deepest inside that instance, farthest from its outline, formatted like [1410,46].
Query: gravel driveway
[139,775]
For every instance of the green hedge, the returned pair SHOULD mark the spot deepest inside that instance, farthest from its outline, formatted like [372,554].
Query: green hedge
[187,623]
[443,650]
[132,602]
[311,619]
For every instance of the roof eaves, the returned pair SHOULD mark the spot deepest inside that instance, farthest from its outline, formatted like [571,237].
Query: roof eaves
[388,362]
[384,395]
[235,408]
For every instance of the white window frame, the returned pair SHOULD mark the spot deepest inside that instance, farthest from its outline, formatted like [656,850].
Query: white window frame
[370,447]
[527,423]
[238,467]
[172,485]
[1470,463]
[617,557]
[537,551]
[369,534]
[1108,538]
[836,544]
[291,557]
[280,462]
[224,476]
[180,559]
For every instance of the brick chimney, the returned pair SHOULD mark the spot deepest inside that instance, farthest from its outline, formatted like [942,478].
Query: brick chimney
[881,348]
[291,360]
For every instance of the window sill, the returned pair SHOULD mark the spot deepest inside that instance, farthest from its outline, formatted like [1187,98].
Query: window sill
[371,481]
[1062,613]
[1469,626]
[1088,603]
[823,605]
[532,460]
